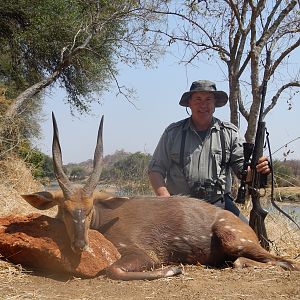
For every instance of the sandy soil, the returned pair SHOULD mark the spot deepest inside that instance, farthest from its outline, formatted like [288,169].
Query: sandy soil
[196,283]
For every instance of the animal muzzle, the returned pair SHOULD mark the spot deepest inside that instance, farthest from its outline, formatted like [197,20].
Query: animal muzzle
[80,241]
[79,246]
[79,232]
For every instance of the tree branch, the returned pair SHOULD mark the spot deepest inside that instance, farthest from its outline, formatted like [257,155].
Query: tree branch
[278,93]
[268,32]
[283,55]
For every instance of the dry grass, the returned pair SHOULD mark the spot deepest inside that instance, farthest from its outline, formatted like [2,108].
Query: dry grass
[10,271]
[16,179]
[283,234]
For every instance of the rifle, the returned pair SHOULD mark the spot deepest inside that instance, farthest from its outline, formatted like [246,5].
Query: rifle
[257,214]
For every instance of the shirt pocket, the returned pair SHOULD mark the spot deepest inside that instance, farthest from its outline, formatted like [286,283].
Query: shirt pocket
[216,162]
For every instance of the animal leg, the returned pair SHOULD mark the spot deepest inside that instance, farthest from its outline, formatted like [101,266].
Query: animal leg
[139,266]
[251,252]
[239,241]
[243,262]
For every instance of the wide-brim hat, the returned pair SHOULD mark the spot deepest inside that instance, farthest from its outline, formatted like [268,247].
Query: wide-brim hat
[204,86]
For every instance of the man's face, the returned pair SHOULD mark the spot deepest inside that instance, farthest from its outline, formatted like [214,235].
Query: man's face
[202,105]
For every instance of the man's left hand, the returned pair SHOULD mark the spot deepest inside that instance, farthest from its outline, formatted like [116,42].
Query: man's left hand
[263,165]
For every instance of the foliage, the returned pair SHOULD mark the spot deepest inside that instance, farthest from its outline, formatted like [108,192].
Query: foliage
[77,173]
[17,131]
[40,163]
[130,174]
[34,49]
[74,42]
[294,165]
[110,159]
[14,139]
[283,174]
[124,172]
[47,166]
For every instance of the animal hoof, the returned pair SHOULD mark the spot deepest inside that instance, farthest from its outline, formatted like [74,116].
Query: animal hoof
[173,271]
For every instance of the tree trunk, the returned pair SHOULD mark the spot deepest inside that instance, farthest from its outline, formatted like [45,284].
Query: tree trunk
[16,105]
[233,98]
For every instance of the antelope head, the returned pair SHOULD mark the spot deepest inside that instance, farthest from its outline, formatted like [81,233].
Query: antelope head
[75,204]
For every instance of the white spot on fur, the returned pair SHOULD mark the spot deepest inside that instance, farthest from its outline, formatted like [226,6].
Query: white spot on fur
[222,220]
[169,273]
[177,238]
[75,221]
[242,240]
[250,241]
[203,237]
[227,227]
[185,238]
[232,230]
[122,245]
[240,247]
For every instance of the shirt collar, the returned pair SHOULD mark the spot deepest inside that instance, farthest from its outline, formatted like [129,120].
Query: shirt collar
[214,124]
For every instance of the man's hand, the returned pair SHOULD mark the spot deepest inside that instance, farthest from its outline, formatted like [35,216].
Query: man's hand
[263,165]
[158,184]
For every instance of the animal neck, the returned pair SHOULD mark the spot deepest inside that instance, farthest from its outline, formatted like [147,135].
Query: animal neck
[60,213]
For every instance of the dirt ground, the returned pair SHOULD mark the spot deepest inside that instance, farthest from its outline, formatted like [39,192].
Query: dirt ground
[196,283]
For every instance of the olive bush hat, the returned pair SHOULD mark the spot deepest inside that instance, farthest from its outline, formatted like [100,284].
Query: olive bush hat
[204,86]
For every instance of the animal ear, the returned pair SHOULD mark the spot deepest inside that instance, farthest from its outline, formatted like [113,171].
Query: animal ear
[112,202]
[41,200]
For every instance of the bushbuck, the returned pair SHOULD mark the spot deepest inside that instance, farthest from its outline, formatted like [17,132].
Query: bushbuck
[154,235]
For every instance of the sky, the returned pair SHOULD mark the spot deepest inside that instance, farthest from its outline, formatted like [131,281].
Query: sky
[138,127]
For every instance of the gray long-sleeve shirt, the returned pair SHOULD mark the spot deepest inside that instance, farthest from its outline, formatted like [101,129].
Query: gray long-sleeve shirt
[202,159]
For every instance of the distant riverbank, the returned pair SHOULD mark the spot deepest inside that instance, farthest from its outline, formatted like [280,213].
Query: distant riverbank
[293,209]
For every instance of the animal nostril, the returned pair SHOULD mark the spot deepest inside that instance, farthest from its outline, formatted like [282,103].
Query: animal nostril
[79,246]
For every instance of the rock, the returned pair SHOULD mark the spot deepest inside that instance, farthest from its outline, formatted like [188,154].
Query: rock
[41,243]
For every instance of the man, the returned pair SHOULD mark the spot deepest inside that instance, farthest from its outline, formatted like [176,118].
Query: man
[194,156]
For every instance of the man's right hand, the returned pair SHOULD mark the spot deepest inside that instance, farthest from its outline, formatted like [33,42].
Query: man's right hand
[158,184]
